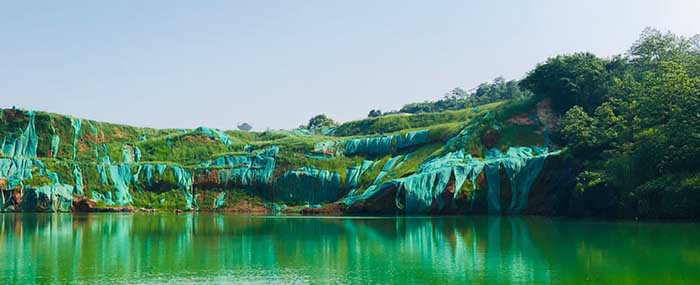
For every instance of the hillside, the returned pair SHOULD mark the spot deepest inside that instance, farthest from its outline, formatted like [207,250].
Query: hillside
[480,159]
[579,135]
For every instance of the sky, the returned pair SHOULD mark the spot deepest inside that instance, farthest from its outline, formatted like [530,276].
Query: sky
[275,64]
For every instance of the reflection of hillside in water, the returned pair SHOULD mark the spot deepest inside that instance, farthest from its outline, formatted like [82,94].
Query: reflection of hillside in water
[209,247]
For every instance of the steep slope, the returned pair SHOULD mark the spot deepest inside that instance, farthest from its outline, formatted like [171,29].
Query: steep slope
[481,159]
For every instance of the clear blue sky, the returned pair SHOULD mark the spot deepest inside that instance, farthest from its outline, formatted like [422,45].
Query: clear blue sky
[277,63]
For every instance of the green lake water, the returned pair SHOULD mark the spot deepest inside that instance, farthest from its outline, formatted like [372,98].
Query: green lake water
[217,248]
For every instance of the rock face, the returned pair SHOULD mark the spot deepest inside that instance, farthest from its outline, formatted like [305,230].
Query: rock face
[56,163]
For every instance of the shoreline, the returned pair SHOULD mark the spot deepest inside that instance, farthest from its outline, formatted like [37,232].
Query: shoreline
[361,216]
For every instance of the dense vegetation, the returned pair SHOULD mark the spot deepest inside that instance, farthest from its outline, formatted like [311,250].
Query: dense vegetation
[458,98]
[632,122]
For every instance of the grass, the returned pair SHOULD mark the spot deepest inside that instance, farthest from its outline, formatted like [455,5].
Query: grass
[171,200]
[398,122]
[520,135]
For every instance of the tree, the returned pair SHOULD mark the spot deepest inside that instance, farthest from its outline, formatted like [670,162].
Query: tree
[578,79]
[654,47]
[415,108]
[458,98]
[499,89]
[321,121]
[456,94]
[245,127]
[374,113]
[579,130]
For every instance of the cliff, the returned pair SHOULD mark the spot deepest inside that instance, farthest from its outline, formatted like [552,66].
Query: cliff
[495,158]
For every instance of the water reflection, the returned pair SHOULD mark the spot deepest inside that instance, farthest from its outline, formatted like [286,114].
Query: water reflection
[157,248]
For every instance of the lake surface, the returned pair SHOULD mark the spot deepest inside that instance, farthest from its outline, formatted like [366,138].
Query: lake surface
[217,248]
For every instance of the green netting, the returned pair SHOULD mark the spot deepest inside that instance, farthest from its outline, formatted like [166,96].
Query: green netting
[493,179]
[371,146]
[160,168]
[353,174]
[48,198]
[8,145]
[22,150]
[405,158]
[104,198]
[325,149]
[121,177]
[307,185]
[127,154]
[30,138]
[94,135]
[385,169]
[135,177]
[101,171]
[250,171]
[219,201]
[465,135]
[378,145]
[242,170]
[102,164]
[105,152]
[327,131]
[52,198]
[148,169]
[411,139]
[215,134]
[449,159]
[523,165]
[78,179]
[25,144]
[184,181]
[55,140]
[52,176]
[317,155]
[269,152]
[424,190]
[169,142]
[137,154]
[76,123]
[15,170]
[301,132]
[181,175]
[276,208]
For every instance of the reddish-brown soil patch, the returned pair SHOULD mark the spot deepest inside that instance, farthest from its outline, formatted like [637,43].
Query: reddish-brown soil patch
[326,209]
[245,207]
[490,138]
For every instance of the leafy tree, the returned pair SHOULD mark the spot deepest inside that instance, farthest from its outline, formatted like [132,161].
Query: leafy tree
[374,113]
[569,80]
[321,121]
[579,130]
[458,98]
[638,127]
[422,107]
[654,47]
[678,100]
[245,127]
